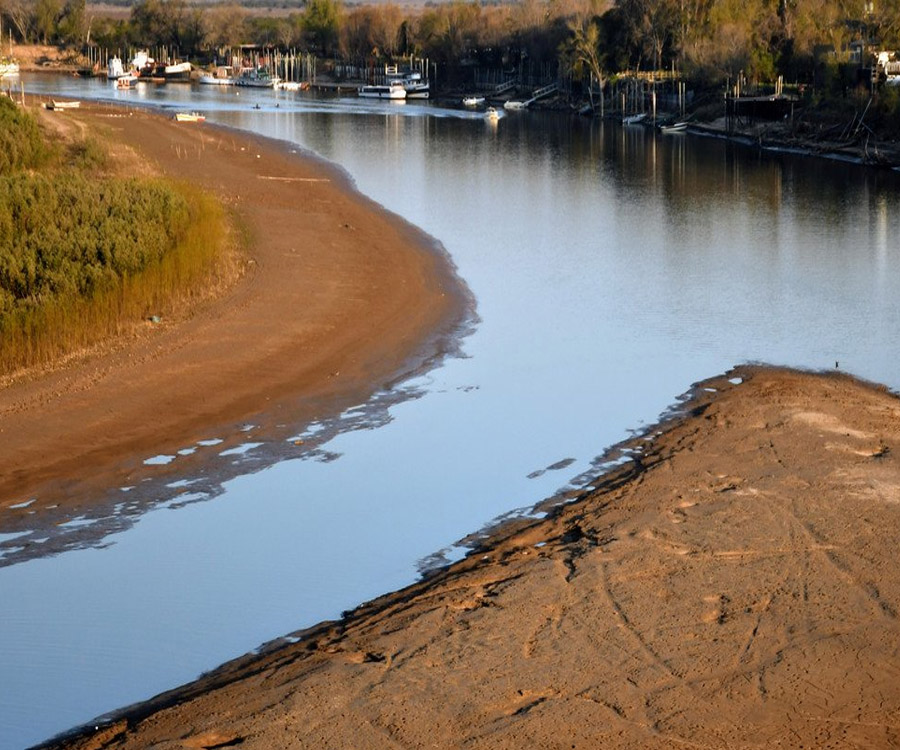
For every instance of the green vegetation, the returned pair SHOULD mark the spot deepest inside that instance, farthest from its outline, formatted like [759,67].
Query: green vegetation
[84,254]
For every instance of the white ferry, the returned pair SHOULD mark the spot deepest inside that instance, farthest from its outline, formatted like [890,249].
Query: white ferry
[394,90]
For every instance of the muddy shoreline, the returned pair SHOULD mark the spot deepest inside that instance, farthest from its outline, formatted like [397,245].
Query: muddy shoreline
[733,585]
[340,300]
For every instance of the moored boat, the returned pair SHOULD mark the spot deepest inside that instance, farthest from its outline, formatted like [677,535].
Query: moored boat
[394,90]
[177,72]
[675,127]
[55,104]
[126,81]
[114,68]
[491,114]
[8,68]
[472,101]
[223,75]
[514,105]
[257,78]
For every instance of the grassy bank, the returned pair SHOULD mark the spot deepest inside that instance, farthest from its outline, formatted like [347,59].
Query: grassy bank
[84,253]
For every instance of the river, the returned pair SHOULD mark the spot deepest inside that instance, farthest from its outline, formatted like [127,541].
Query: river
[612,267]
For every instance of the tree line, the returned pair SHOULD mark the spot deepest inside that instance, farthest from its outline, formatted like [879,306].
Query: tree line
[708,40]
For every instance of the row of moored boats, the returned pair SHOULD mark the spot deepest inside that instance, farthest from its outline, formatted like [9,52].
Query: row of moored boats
[143,67]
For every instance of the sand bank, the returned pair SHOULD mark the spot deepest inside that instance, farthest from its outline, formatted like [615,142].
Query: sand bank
[338,298]
[735,585]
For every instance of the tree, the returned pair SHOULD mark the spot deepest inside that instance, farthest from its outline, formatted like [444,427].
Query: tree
[582,53]
[321,23]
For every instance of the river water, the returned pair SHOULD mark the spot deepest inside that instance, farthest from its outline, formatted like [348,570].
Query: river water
[612,267]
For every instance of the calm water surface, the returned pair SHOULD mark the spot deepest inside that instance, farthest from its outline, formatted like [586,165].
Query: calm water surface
[612,268]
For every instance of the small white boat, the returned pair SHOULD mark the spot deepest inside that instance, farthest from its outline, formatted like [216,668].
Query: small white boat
[223,75]
[114,68]
[8,69]
[189,117]
[491,114]
[126,81]
[293,85]
[394,90]
[675,127]
[634,119]
[54,104]
[514,105]
[472,101]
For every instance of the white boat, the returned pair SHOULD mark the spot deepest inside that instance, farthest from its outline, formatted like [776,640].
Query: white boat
[257,78]
[634,119]
[514,105]
[126,81]
[189,117]
[394,90]
[8,69]
[141,62]
[54,104]
[675,127]
[178,72]
[114,68]
[415,87]
[472,101]
[293,85]
[223,75]
[491,114]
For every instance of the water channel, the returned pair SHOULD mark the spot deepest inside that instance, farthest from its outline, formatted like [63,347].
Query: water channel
[612,267]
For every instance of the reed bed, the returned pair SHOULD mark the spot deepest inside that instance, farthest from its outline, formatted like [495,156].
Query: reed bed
[84,256]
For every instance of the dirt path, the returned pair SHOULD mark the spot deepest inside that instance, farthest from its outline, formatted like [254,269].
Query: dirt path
[339,297]
[735,586]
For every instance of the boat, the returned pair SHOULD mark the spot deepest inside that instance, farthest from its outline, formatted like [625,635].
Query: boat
[177,72]
[126,81]
[394,90]
[514,105]
[472,101]
[634,119]
[293,85]
[415,87]
[141,63]
[189,117]
[223,75]
[54,104]
[8,69]
[491,114]
[114,68]
[675,127]
[257,78]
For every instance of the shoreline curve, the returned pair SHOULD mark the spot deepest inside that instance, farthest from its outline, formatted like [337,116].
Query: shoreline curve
[340,299]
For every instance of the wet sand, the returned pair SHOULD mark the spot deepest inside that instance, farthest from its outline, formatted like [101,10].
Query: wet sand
[337,298]
[735,585]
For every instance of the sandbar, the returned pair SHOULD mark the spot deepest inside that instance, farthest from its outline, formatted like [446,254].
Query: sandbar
[733,585]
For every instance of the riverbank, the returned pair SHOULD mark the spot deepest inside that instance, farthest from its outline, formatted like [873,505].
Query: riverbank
[337,298]
[732,585]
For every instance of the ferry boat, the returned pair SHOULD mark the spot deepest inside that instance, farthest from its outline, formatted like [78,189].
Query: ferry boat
[395,90]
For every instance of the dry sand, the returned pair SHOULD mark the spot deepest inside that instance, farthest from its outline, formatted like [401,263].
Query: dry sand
[734,586]
[338,298]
